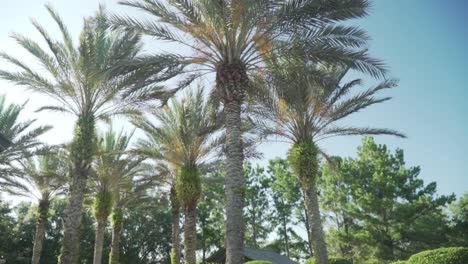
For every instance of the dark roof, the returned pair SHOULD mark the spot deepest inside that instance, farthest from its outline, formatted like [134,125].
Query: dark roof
[252,254]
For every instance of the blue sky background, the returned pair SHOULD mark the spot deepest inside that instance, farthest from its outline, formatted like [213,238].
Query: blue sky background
[423,41]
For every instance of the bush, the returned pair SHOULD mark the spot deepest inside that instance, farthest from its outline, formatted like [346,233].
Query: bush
[400,262]
[258,262]
[453,255]
[331,260]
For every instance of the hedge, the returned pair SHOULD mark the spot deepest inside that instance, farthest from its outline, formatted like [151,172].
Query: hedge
[453,255]
[400,262]
[331,260]
[258,262]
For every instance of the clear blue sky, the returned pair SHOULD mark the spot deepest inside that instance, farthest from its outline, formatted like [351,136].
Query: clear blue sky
[423,41]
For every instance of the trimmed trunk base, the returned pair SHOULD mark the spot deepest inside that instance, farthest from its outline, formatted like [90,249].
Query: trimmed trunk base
[99,241]
[114,255]
[315,224]
[190,235]
[175,252]
[72,223]
[40,231]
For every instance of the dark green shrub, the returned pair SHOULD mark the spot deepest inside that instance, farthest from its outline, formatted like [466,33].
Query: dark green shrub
[453,255]
[258,262]
[331,260]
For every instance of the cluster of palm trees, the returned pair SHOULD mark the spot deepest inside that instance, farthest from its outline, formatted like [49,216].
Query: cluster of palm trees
[277,68]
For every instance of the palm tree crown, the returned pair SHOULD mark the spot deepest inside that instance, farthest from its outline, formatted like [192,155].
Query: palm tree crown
[182,135]
[305,102]
[243,33]
[78,77]
[41,179]
[21,138]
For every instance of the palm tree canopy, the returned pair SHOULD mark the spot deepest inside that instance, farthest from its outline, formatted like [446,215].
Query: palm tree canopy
[304,102]
[77,77]
[21,136]
[42,177]
[245,33]
[125,176]
[182,134]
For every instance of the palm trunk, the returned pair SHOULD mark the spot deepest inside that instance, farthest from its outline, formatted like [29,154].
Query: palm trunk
[82,152]
[315,223]
[231,83]
[234,185]
[72,222]
[190,234]
[40,230]
[307,226]
[102,207]
[117,218]
[99,241]
[175,252]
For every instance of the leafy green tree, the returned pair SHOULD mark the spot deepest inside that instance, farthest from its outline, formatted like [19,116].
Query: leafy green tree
[304,108]
[21,139]
[211,234]
[21,235]
[147,233]
[78,78]
[232,39]
[7,223]
[42,179]
[184,141]
[459,211]
[337,201]
[286,197]
[257,207]
[393,214]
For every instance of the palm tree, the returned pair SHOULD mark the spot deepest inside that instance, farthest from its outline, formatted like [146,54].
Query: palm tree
[114,171]
[78,78]
[129,195]
[184,141]
[304,103]
[42,179]
[232,39]
[19,139]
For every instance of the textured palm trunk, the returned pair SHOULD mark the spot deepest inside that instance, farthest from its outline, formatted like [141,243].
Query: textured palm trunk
[82,152]
[175,208]
[99,241]
[72,222]
[190,235]
[231,83]
[315,223]
[40,231]
[306,223]
[117,218]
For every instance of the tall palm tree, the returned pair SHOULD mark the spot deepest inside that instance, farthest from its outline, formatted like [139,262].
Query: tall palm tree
[42,179]
[304,103]
[114,170]
[184,141]
[19,139]
[232,39]
[78,79]
[129,195]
